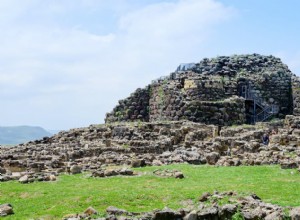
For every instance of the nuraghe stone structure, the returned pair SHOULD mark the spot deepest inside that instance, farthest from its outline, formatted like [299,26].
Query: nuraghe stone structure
[221,91]
[161,126]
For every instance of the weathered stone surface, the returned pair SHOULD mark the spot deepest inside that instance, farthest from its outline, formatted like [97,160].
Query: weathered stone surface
[212,158]
[274,215]
[248,208]
[2,170]
[208,213]
[146,144]
[209,93]
[6,209]
[169,173]
[137,163]
[227,211]
[166,214]
[295,213]
[111,210]
[191,216]
[90,211]
[75,169]
[24,179]
[204,197]
[113,172]
[205,92]
[289,165]
[179,175]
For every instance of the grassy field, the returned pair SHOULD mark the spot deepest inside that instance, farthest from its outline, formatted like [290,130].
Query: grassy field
[74,193]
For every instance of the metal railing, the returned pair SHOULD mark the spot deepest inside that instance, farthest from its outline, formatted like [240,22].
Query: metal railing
[266,110]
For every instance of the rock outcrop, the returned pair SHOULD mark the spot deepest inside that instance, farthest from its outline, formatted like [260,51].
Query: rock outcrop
[237,207]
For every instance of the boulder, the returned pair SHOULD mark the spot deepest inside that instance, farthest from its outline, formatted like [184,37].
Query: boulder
[166,214]
[157,163]
[178,175]
[126,172]
[6,209]
[138,163]
[98,173]
[204,197]
[191,216]
[24,179]
[49,178]
[208,213]
[4,178]
[111,210]
[295,213]
[90,211]
[227,211]
[289,165]
[2,170]
[257,213]
[274,215]
[75,169]
[110,173]
[212,158]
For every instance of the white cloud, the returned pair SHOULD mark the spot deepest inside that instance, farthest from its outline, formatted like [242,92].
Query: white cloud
[69,75]
[167,33]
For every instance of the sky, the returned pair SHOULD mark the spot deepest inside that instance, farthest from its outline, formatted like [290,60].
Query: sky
[65,63]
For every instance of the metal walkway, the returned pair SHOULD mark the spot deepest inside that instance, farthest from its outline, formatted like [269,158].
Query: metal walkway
[261,112]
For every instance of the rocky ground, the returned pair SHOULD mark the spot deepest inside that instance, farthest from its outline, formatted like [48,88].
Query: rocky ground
[97,148]
[227,205]
[142,144]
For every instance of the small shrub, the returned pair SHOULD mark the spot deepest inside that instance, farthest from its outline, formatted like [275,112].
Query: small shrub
[238,215]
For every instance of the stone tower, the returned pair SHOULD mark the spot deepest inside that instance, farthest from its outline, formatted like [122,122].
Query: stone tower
[225,90]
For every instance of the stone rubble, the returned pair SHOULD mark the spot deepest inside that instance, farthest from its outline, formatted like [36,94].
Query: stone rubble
[161,124]
[113,172]
[169,173]
[212,207]
[146,144]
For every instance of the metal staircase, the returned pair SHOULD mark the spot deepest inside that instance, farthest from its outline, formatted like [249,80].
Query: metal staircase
[261,112]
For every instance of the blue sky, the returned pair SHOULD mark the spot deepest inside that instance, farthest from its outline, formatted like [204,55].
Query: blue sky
[65,63]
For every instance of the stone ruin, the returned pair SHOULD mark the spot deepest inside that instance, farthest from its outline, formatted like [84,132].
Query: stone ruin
[209,207]
[97,147]
[183,118]
[221,91]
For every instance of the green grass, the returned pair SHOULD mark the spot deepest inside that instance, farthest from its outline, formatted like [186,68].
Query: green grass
[74,193]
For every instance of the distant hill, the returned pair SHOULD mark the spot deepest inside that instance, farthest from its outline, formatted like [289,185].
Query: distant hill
[20,134]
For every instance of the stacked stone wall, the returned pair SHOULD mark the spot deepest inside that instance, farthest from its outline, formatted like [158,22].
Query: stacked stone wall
[227,112]
[296,95]
[201,94]
[133,108]
[167,101]
[170,102]
[275,88]
[210,88]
